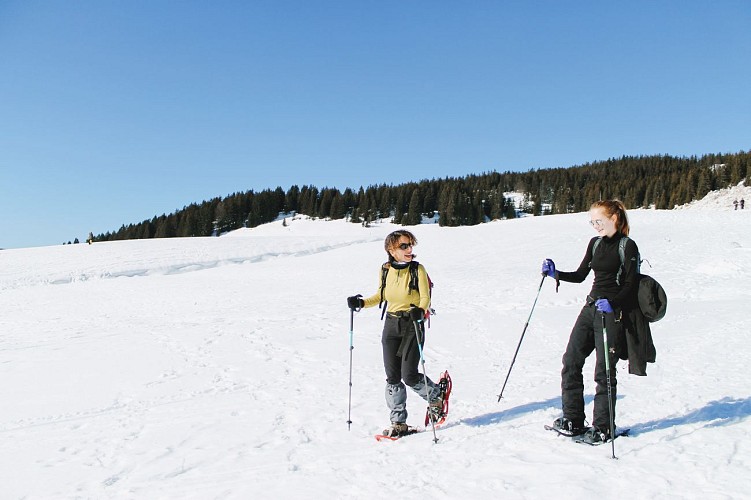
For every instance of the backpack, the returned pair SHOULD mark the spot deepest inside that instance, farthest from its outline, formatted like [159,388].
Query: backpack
[413,285]
[652,299]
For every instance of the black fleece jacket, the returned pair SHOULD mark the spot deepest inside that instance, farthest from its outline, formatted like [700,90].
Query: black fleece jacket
[606,264]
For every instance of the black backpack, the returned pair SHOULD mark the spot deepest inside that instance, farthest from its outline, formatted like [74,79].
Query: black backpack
[652,299]
[413,285]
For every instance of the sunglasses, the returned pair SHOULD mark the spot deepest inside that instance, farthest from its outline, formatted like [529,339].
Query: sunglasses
[404,246]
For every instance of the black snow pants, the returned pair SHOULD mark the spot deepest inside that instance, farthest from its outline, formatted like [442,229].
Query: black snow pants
[401,357]
[586,336]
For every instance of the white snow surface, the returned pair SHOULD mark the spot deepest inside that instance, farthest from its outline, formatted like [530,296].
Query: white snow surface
[219,367]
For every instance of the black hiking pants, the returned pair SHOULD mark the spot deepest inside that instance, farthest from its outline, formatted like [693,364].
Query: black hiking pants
[400,353]
[586,336]
[401,357]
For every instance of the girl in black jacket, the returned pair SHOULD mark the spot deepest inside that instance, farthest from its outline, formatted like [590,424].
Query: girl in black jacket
[613,291]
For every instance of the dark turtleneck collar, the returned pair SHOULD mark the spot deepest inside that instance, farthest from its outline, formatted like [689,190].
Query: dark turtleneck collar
[616,237]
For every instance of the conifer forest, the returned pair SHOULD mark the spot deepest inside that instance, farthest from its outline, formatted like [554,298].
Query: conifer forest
[658,181]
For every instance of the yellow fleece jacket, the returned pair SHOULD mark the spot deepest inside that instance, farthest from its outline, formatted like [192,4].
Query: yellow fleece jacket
[397,293]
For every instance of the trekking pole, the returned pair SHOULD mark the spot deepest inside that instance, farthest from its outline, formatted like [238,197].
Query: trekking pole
[522,337]
[351,348]
[425,376]
[610,390]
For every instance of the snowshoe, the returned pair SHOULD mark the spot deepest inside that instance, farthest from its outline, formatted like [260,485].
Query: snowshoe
[566,427]
[594,436]
[396,431]
[438,409]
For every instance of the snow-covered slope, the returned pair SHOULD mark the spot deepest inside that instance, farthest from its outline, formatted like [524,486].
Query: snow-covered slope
[723,199]
[218,367]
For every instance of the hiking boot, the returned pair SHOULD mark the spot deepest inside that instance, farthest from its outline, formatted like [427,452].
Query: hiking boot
[569,427]
[595,435]
[435,409]
[397,429]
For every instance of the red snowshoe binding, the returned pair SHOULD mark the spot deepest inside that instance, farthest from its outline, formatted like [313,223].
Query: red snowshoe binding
[438,409]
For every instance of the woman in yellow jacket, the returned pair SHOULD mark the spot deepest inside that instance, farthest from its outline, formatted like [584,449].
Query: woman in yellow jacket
[406,307]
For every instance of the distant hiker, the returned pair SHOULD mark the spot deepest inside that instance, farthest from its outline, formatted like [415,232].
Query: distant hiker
[90,239]
[405,287]
[735,204]
[742,203]
[613,292]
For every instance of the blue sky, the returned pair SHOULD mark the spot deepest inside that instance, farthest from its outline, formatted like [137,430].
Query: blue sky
[114,112]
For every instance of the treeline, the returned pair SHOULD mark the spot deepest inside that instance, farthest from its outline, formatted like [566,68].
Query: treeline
[639,181]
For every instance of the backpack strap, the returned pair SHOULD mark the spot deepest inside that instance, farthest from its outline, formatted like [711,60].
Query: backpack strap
[413,276]
[622,254]
[594,247]
[414,285]
[384,272]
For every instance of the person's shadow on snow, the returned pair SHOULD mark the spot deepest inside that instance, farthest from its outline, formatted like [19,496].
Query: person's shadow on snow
[500,416]
[725,411]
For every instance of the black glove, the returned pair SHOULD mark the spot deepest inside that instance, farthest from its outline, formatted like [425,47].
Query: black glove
[416,314]
[355,302]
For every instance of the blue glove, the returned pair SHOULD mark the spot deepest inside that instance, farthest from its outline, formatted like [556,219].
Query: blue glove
[603,306]
[548,268]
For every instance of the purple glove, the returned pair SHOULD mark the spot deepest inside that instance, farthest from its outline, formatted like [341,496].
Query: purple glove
[548,268]
[603,306]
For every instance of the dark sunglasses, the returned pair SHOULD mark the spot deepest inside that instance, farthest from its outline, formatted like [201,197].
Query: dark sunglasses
[405,246]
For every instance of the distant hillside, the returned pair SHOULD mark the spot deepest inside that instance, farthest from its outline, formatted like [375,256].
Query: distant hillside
[661,181]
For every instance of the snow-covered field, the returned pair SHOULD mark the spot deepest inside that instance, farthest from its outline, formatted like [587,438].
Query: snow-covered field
[218,367]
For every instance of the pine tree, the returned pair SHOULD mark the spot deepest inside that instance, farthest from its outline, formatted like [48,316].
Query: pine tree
[291,199]
[399,207]
[735,172]
[451,214]
[497,205]
[476,211]
[413,216]
[338,210]
[705,183]
[385,206]
[429,203]
[254,216]
[188,225]
[510,209]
